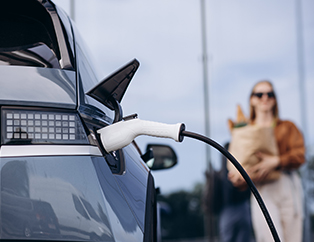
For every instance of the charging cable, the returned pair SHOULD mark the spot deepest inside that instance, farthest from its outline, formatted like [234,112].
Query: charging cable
[244,175]
[122,133]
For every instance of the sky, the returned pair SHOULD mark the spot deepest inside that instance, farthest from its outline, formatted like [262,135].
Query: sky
[247,41]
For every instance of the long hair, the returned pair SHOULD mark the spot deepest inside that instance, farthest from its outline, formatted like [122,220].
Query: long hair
[275,107]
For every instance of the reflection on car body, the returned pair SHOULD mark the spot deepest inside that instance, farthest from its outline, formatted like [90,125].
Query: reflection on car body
[57,181]
[24,217]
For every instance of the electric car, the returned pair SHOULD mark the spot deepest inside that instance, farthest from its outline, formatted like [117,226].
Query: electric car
[57,180]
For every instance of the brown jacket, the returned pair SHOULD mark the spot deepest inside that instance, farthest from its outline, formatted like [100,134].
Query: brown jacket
[290,144]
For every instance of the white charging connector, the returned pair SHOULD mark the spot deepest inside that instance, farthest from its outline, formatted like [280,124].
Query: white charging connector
[121,134]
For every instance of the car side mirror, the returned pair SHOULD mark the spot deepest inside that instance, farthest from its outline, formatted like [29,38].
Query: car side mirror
[164,157]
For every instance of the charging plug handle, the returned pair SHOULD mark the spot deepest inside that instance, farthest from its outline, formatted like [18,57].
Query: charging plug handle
[120,134]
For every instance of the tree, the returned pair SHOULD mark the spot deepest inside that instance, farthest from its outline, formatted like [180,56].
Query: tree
[181,214]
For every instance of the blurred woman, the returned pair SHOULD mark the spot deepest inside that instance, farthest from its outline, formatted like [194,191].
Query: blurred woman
[283,197]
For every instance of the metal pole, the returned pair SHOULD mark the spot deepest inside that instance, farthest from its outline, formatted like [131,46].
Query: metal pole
[72,10]
[301,67]
[303,109]
[205,79]
[209,219]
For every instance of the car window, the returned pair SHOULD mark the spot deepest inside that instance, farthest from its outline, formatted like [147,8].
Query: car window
[85,63]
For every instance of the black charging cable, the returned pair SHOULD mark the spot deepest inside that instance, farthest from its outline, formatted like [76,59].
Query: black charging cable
[242,172]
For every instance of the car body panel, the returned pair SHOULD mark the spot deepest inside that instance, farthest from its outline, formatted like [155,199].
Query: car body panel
[133,183]
[81,208]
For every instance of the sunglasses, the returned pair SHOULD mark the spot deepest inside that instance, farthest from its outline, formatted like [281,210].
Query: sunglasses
[260,94]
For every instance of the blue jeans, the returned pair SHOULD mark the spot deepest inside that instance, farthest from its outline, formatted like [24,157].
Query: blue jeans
[235,223]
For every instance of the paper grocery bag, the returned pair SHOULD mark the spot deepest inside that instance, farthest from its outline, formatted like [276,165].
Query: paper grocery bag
[247,141]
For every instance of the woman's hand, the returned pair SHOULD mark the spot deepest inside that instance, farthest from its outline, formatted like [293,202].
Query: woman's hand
[237,180]
[267,164]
